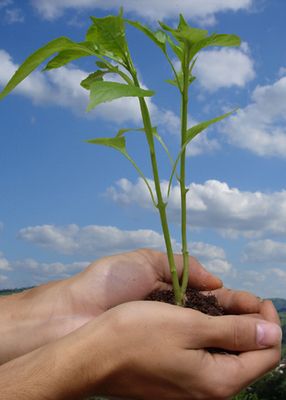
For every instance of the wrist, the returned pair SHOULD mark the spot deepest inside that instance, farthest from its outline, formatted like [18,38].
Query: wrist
[71,367]
[33,318]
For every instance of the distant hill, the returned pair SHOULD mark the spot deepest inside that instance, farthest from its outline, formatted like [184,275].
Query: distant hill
[6,292]
[280,304]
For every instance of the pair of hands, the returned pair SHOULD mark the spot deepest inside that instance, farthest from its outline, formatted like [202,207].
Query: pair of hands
[146,350]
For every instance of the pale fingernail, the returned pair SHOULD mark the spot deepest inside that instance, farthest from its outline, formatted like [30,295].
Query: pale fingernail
[268,334]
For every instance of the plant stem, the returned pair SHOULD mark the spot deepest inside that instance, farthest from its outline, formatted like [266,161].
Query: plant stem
[184,128]
[161,205]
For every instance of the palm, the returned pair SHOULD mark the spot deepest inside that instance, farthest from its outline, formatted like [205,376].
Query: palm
[131,276]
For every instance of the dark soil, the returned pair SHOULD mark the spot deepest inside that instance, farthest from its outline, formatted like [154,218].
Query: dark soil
[207,304]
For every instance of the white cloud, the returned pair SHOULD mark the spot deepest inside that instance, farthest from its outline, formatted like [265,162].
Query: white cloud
[253,277]
[3,279]
[265,282]
[93,240]
[224,68]
[282,71]
[260,126]
[212,257]
[202,144]
[104,240]
[30,272]
[14,15]
[5,3]
[60,239]
[265,251]
[4,263]
[214,205]
[280,274]
[57,269]
[152,9]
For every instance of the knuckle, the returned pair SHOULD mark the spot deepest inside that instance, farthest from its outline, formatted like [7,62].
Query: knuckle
[243,334]
[236,334]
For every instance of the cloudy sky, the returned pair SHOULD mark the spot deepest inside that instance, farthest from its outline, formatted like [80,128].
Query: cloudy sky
[64,203]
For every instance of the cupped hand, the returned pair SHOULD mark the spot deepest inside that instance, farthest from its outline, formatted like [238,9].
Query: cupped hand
[110,281]
[125,277]
[159,351]
[149,350]
[54,310]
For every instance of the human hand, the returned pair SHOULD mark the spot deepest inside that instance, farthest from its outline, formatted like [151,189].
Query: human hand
[149,350]
[131,276]
[50,311]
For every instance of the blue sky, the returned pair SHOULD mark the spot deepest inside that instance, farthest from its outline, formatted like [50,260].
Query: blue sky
[64,203]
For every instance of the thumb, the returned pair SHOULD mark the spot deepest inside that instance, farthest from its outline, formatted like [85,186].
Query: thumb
[239,333]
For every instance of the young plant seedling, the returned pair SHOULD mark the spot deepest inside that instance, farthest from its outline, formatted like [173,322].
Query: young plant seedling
[106,41]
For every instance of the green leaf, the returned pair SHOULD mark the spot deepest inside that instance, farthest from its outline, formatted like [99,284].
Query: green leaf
[108,35]
[176,49]
[175,82]
[222,40]
[94,77]
[197,39]
[172,82]
[114,69]
[102,64]
[182,23]
[192,79]
[180,76]
[159,37]
[185,33]
[118,143]
[190,35]
[191,134]
[166,27]
[101,92]
[64,57]
[34,60]
[193,64]
[195,130]
[122,132]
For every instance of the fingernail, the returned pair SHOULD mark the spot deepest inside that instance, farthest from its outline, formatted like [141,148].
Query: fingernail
[268,334]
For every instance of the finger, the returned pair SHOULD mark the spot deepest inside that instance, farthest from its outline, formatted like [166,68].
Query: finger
[254,364]
[268,312]
[237,302]
[237,333]
[229,374]
[199,277]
